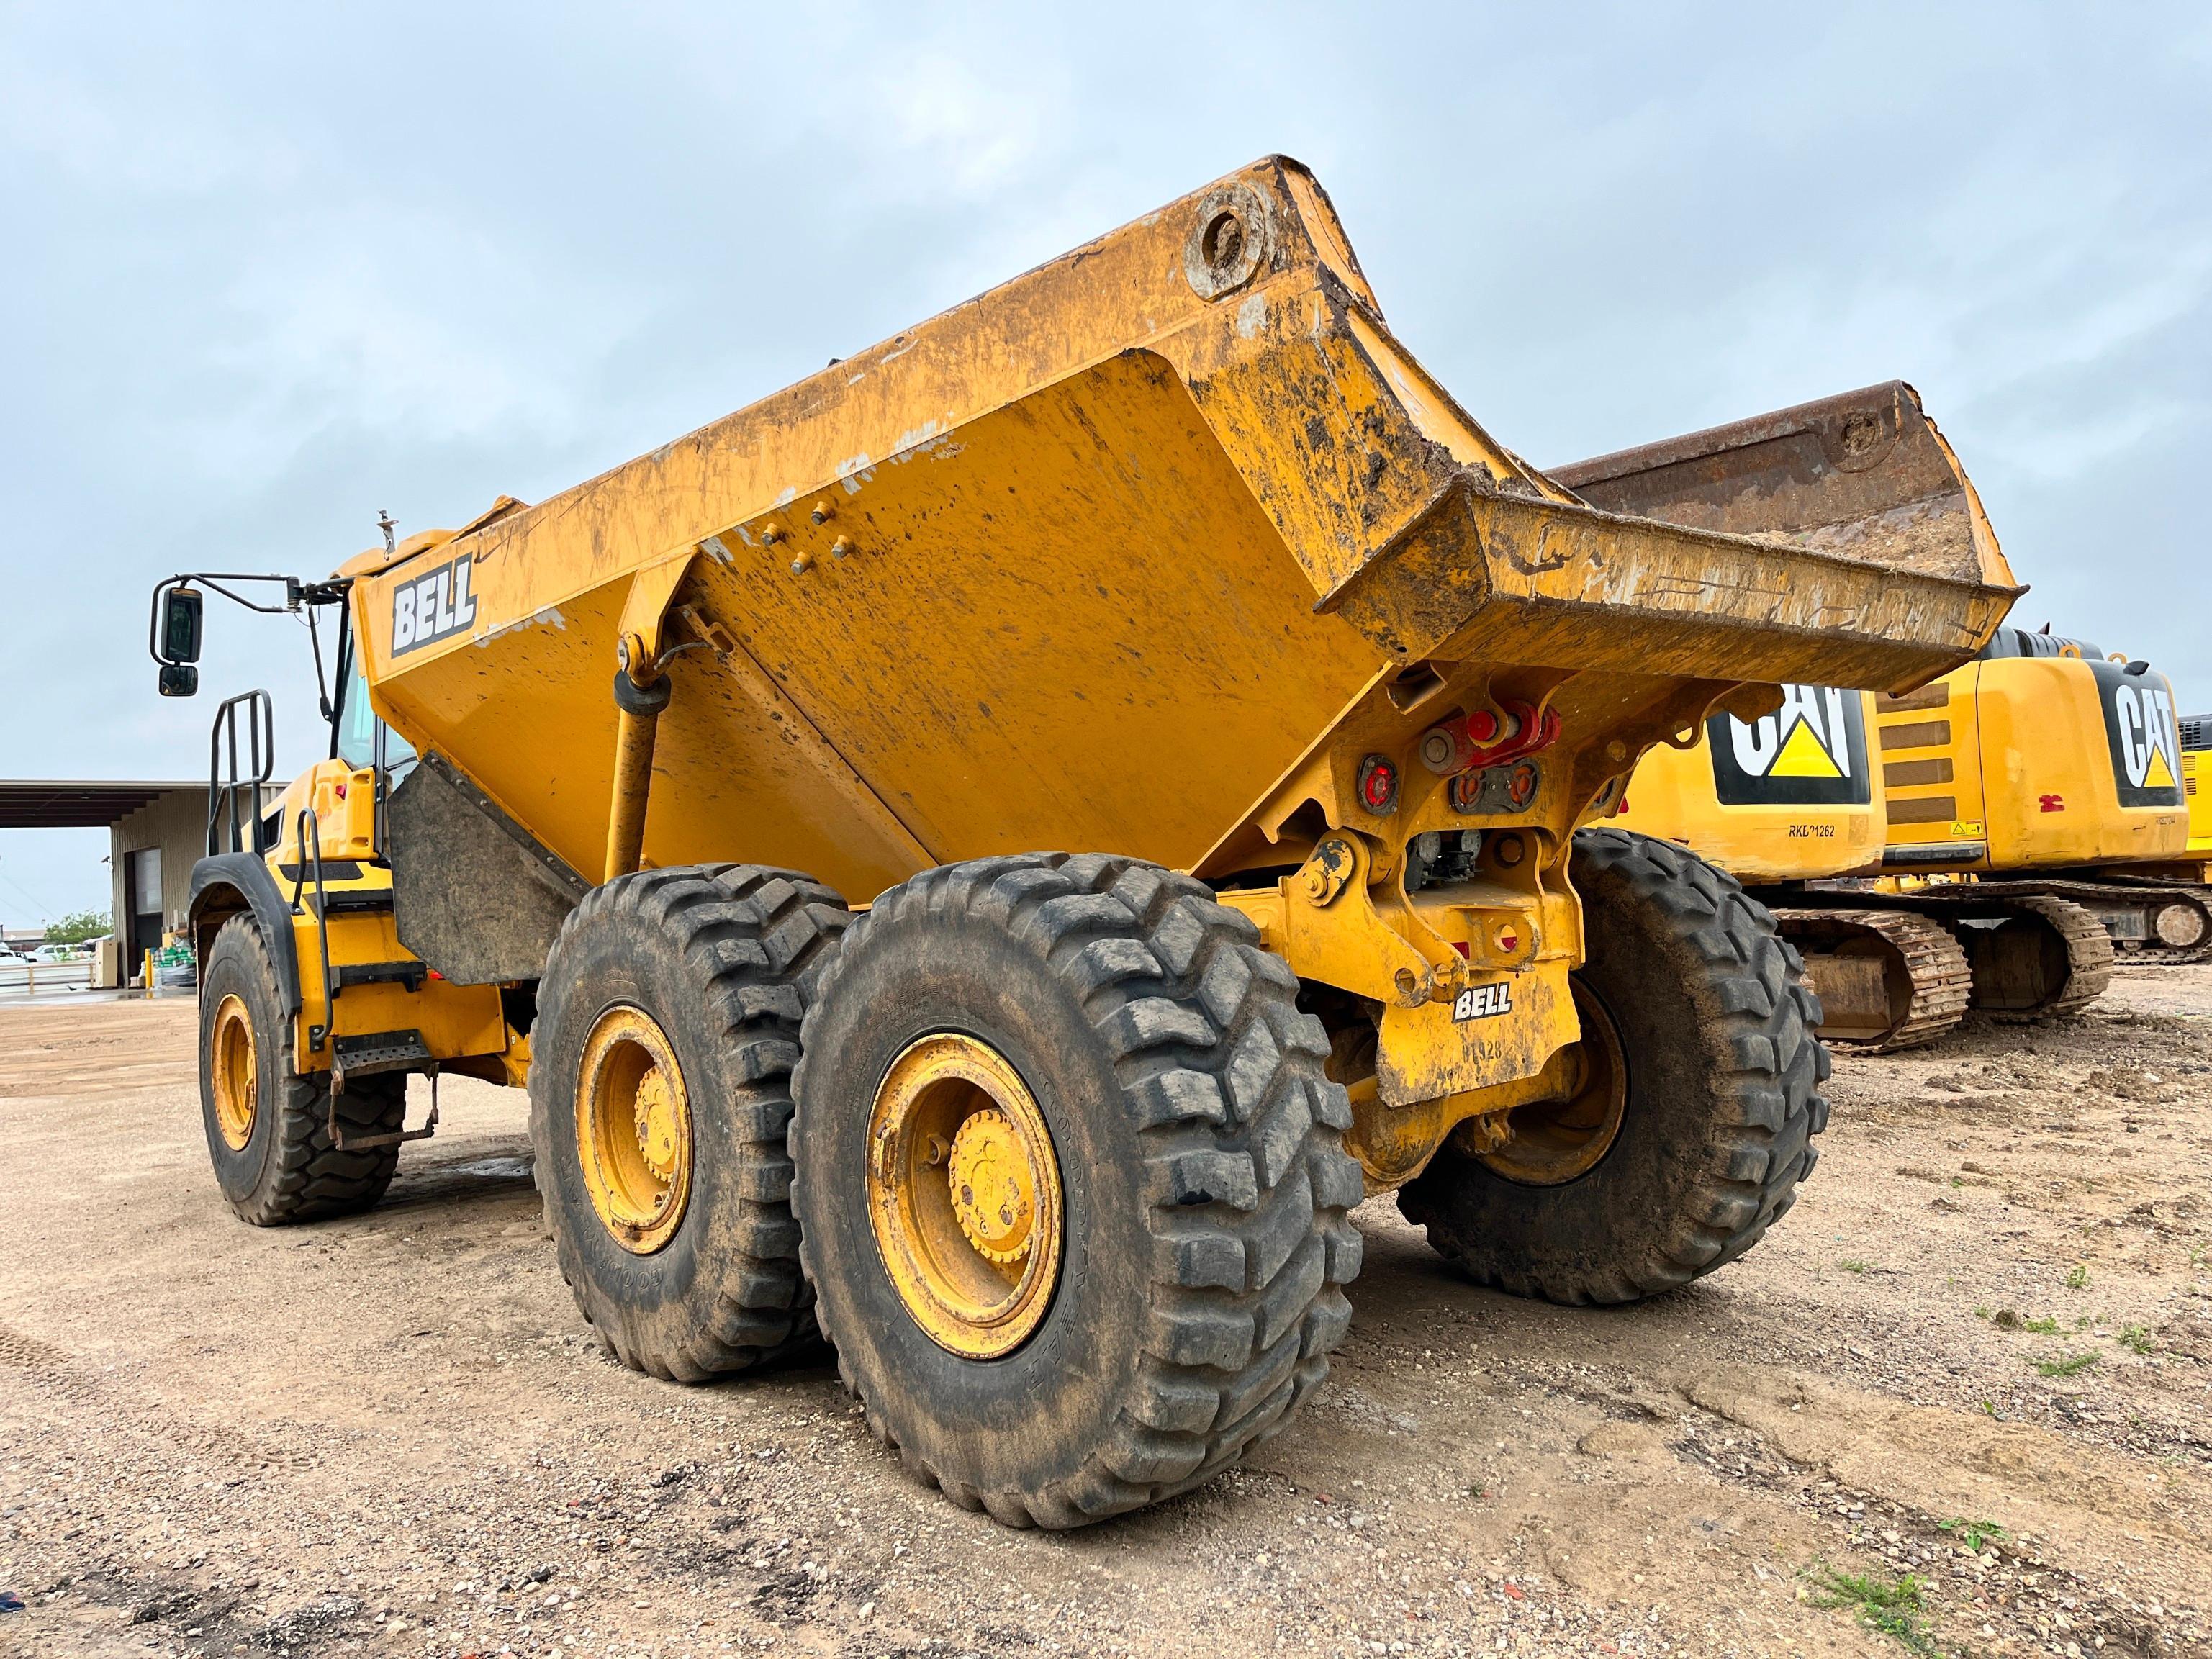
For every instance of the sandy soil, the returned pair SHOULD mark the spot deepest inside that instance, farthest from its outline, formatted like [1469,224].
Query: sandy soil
[393,1435]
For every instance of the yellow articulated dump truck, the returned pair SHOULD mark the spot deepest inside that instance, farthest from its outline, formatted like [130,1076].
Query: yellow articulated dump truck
[1795,797]
[1182,713]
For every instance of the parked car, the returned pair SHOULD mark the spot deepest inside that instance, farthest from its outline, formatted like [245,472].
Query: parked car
[61,953]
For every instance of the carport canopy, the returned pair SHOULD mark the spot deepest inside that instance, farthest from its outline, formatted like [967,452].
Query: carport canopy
[63,804]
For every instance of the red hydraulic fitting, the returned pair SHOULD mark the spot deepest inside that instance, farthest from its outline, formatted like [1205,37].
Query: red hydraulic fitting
[1484,738]
[1451,747]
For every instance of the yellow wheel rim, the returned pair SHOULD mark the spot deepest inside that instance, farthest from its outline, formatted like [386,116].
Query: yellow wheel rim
[964,1195]
[235,1072]
[1554,1141]
[634,1130]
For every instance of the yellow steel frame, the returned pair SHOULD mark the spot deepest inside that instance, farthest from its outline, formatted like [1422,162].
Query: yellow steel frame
[1345,918]
[457,1022]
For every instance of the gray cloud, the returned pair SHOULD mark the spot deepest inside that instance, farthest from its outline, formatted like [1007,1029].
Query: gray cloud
[271,271]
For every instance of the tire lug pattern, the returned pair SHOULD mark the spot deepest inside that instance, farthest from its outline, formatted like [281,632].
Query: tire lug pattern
[1766,1109]
[757,940]
[1250,1189]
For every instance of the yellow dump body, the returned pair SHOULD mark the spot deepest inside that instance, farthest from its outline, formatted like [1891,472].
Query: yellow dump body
[2041,756]
[1162,548]
[1120,552]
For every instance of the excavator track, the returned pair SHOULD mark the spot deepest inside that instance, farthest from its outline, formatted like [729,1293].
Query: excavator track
[2034,956]
[2152,923]
[1873,966]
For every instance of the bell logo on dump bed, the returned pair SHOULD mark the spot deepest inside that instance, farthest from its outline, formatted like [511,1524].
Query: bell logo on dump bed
[2144,735]
[435,605]
[1810,752]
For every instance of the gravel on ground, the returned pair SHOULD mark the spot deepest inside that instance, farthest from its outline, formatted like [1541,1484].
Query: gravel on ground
[1959,1401]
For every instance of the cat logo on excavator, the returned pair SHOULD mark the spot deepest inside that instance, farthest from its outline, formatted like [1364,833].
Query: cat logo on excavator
[2144,736]
[1811,751]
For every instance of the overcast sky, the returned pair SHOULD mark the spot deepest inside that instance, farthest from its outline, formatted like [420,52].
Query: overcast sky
[267,272]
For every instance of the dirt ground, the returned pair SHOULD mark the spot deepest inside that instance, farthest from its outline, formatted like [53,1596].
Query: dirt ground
[1980,1352]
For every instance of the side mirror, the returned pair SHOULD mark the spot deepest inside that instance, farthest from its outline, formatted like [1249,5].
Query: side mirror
[180,679]
[180,632]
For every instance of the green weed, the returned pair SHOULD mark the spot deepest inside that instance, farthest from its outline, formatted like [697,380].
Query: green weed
[2137,1337]
[2046,1325]
[1972,1533]
[1851,1264]
[1892,1607]
[2077,1276]
[2073,1365]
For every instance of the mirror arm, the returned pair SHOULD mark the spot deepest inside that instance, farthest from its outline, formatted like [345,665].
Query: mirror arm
[296,593]
[322,685]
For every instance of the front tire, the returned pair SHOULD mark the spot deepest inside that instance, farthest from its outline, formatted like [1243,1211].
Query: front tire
[659,1098]
[1182,1187]
[268,1127]
[1690,991]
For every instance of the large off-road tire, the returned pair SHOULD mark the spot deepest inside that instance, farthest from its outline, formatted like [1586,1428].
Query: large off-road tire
[269,1127]
[1721,1096]
[718,960]
[1203,1231]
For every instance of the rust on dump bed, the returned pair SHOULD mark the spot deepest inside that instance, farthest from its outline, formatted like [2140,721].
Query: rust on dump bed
[1865,474]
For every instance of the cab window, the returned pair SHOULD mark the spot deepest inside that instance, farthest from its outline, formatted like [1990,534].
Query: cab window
[357,724]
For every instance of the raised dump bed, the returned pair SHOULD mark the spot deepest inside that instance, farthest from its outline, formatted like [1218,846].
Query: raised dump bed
[1122,521]
[1203,706]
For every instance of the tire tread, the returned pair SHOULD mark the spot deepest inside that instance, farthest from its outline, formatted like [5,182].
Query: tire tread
[1218,1068]
[756,939]
[314,1179]
[1765,1113]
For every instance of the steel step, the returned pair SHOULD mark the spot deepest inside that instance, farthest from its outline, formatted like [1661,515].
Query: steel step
[410,974]
[353,900]
[379,1051]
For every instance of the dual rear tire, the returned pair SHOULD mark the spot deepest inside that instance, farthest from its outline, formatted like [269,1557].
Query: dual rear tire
[1045,1146]
[1065,1175]
[667,1029]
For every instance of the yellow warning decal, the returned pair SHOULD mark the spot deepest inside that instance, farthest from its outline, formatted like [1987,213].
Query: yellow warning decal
[1802,756]
[2158,774]
[1966,826]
